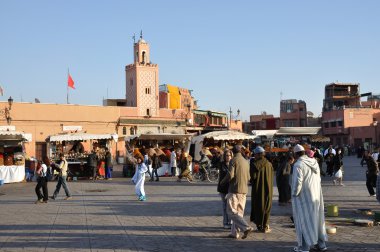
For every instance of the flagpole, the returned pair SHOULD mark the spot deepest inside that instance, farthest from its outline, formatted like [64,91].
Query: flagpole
[67,98]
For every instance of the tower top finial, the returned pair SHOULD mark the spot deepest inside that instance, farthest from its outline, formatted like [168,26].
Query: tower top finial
[141,34]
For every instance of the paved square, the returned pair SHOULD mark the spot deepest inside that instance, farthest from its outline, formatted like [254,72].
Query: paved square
[106,216]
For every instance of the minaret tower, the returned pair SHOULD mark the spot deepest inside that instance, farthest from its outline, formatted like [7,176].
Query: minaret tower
[142,81]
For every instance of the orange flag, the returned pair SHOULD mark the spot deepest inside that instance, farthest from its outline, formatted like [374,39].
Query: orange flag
[70,82]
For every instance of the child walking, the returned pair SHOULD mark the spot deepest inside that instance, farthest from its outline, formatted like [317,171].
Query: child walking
[139,177]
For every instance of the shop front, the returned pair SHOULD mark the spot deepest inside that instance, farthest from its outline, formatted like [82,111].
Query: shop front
[12,155]
[160,143]
[76,148]
[218,140]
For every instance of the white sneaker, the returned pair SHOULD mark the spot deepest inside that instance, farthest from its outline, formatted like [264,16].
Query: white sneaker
[373,195]
[297,249]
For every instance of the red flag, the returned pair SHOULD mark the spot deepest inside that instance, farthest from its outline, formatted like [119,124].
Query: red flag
[70,82]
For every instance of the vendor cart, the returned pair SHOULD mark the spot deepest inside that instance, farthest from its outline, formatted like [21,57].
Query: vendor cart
[76,147]
[12,155]
[161,143]
[218,140]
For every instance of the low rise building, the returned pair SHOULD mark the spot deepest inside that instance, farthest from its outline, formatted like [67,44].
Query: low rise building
[346,119]
[293,113]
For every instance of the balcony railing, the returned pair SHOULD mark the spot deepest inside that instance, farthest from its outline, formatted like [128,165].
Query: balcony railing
[344,107]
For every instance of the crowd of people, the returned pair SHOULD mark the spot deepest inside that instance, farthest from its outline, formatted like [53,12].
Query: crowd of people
[297,174]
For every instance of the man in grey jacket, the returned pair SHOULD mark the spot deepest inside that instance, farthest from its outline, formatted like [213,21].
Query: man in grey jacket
[238,177]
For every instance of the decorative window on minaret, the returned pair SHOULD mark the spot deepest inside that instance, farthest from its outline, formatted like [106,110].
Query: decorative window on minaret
[143,57]
[147,90]
[131,81]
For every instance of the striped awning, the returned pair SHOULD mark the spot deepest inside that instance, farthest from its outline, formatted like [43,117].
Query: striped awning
[10,135]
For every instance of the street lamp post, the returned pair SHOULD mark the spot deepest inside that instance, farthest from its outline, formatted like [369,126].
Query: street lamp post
[7,111]
[375,126]
[238,113]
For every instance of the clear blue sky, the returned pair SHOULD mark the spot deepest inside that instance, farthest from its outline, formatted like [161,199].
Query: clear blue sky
[241,54]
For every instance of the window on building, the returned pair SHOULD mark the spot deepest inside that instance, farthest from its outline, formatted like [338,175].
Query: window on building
[124,130]
[333,124]
[148,112]
[199,119]
[147,90]
[301,109]
[143,57]
[340,123]
[326,124]
[289,123]
[287,107]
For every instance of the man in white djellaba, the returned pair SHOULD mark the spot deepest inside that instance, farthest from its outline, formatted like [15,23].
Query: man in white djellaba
[308,206]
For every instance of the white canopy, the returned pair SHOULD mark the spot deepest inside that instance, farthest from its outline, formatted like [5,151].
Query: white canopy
[80,137]
[226,135]
[298,131]
[10,135]
[159,136]
[266,133]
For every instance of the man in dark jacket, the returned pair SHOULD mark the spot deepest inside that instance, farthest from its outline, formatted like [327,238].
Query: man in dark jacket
[262,190]
[92,164]
[371,174]
[156,163]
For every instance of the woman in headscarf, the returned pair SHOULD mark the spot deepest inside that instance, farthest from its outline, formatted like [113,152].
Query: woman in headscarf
[139,177]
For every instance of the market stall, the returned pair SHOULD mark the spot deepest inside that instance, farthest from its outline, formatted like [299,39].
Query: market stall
[220,139]
[12,155]
[76,147]
[161,143]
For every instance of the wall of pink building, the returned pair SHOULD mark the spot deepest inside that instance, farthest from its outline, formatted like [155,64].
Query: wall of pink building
[173,113]
[236,125]
[43,120]
[357,124]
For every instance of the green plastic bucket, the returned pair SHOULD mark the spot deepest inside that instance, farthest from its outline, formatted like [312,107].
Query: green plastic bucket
[332,210]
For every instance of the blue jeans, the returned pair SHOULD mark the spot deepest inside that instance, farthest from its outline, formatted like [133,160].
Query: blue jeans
[108,172]
[226,220]
[62,182]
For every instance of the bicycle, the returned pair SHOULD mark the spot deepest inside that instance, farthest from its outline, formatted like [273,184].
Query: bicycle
[211,174]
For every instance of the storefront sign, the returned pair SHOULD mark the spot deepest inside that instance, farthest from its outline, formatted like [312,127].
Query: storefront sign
[7,128]
[72,128]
